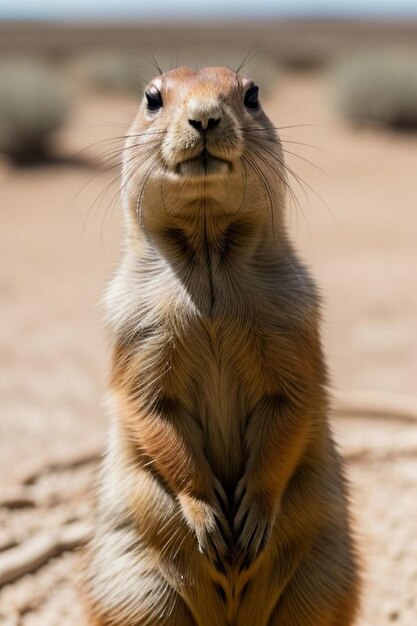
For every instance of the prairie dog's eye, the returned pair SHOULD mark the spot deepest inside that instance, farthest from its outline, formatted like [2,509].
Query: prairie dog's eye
[154,99]
[251,100]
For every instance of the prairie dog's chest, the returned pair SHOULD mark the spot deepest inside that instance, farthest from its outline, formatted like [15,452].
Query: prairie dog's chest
[207,378]
[217,372]
[214,356]
[223,360]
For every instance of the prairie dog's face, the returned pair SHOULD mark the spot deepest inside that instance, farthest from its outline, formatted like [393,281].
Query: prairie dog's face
[194,126]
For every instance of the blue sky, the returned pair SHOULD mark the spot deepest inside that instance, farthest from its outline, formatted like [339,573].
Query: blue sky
[192,9]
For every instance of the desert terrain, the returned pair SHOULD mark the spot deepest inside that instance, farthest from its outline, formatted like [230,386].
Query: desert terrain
[357,229]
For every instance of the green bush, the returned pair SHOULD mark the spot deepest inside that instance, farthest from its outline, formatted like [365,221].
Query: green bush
[377,88]
[33,105]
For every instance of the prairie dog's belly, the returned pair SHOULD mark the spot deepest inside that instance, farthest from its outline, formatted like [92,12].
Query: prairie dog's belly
[222,410]
[223,416]
[209,365]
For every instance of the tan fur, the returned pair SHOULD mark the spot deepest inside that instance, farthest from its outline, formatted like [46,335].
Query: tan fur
[222,500]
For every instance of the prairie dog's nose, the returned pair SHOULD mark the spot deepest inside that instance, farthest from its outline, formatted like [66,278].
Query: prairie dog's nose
[205,124]
[204,116]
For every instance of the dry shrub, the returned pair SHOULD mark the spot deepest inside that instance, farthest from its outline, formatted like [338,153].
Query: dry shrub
[33,106]
[377,88]
[303,59]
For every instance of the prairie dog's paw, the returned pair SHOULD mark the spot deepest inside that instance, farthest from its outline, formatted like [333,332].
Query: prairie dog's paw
[253,523]
[210,527]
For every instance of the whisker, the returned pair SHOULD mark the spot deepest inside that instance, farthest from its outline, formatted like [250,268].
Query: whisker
[298,126]
[302,143]
[142,190]
[281,176]
[111,154]
[177,195]
[89,182]
[273,127]
[301,182]
[122,147]
[97,201]
[317,167]
[245,181]
[247,57]
[293,197]
[154,61]
[265,185]
[282,138]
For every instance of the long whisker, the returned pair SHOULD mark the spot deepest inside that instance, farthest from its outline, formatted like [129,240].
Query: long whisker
[105,171]
[283,178]
[181,187]
[133,159]
[273,127]
[283,138]
[97,199]
[122,138]
[301,143]
[155,62]
[298,126]
[265,186]
[126,161]
[248,56]
[301,182]
[298,156]
[245,184]
[118,193]
[142,190]
[120,151]
[252,163]
[103,160]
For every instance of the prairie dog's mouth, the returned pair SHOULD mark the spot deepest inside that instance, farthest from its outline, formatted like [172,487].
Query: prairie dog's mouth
[205,164]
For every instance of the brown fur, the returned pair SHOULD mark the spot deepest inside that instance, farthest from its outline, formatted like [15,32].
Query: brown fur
[222,500]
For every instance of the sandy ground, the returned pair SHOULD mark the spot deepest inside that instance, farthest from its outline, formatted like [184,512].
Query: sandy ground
[59,242]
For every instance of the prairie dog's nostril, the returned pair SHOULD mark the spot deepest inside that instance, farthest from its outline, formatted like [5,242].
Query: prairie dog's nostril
[196,124]
[213,122]
[206,125]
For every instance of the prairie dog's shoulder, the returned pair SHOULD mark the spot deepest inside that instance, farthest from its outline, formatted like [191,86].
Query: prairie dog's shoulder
[138,293]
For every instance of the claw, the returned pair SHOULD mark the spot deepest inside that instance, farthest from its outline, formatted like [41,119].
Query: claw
[252,526]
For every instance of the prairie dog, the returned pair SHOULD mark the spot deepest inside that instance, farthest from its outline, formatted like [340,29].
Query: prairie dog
[222,500]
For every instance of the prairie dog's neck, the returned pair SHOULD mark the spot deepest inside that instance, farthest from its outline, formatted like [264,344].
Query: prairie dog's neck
[209,249]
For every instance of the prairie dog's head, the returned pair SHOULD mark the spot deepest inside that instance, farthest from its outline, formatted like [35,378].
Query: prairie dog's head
[201,132]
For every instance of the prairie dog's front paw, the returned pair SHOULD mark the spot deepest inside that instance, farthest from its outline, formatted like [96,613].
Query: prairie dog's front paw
[209,526]
[253,523]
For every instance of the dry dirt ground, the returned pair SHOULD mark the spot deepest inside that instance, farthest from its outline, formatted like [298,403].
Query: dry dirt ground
[59,242]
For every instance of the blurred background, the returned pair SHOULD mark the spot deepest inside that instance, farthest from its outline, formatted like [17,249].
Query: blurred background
[339,79]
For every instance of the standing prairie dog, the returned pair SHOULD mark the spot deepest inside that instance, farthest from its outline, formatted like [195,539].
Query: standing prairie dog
[222,498]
